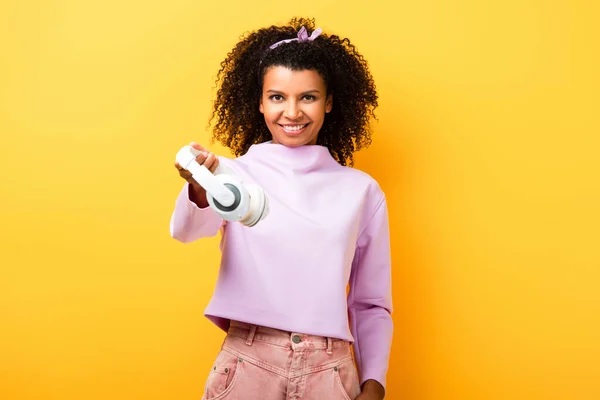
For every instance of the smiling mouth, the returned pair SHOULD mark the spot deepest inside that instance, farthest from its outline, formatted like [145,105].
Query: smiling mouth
[294,128]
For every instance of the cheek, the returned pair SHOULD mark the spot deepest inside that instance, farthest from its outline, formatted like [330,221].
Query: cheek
[271,113]
[270,117]
[318,114]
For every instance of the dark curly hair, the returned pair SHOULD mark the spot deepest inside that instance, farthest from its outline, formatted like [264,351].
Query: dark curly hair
[239,123]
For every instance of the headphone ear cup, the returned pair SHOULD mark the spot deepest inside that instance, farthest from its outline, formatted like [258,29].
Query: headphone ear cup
[239,208]
[258,207]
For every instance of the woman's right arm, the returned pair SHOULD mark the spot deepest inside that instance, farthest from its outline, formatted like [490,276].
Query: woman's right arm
[192,217]
[190,221]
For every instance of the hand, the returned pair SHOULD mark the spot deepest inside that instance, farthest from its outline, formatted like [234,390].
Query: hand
[206,158]
[372,390]
[196,193]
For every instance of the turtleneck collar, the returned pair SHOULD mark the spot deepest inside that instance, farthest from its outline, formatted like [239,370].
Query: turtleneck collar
[302,158]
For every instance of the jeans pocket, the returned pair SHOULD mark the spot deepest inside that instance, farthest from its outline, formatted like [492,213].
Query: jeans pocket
[222,376]
[346,378]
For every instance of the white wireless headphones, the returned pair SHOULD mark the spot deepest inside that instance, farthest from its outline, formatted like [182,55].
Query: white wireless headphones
[227,196]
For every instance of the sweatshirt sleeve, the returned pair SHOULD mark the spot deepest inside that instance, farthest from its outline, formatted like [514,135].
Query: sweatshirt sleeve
[370,298]
[190,222]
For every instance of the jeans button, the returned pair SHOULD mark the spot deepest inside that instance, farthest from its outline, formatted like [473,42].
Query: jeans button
[296,339]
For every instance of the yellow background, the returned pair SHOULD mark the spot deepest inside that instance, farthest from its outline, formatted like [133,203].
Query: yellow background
[487,147]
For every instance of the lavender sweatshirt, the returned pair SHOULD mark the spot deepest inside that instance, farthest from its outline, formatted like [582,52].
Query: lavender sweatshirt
[327,228]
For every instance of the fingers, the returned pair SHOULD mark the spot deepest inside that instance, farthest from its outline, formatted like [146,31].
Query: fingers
[201,158]
[215,165]
[211,162]
[197,146]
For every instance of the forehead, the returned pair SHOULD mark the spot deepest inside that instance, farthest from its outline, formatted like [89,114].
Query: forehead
[284,79]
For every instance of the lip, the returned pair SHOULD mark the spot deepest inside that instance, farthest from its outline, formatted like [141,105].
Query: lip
[294,133]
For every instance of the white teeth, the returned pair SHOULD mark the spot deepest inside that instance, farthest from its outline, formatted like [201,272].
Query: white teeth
[294,128]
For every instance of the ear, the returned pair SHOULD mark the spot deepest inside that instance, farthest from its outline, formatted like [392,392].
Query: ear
[329,103]
[260,106]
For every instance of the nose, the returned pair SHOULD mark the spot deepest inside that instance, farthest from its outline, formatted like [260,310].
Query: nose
[292,111]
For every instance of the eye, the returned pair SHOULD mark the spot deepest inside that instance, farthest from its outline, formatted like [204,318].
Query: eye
[276,97]
[309,97]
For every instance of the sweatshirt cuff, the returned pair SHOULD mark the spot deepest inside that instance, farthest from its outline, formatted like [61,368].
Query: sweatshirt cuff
[190,222]
[373,375]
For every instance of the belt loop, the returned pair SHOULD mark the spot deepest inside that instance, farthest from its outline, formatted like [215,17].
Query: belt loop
[329,346]
[251,335]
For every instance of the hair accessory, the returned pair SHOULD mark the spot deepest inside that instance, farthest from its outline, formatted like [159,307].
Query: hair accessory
[302,37]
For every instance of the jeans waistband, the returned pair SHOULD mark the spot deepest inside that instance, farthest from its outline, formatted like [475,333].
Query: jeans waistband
[283,338]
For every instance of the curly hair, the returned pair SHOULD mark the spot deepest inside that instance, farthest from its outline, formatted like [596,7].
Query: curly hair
[239,123]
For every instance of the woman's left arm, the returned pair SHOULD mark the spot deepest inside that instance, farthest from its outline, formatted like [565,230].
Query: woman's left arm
[370,303]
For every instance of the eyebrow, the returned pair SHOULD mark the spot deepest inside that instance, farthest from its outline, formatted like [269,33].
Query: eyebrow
[307,92]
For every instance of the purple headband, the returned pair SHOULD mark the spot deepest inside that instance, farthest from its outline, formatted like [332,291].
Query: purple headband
[302,37]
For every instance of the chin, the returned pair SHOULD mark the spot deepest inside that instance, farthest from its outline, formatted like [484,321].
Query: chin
[294,141]
[291,143]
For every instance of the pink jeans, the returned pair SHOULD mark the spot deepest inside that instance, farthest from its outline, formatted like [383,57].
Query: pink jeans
[262,363]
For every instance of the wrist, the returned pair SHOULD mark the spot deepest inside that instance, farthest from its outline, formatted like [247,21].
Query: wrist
[374,388]
[197,194]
